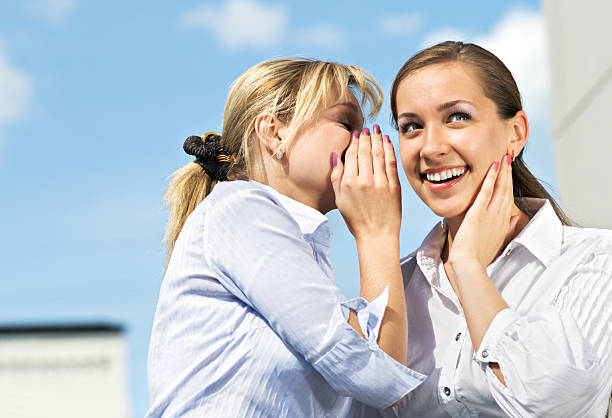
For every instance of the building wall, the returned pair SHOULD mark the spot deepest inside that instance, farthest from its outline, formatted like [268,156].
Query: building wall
[63,375]
[579,36]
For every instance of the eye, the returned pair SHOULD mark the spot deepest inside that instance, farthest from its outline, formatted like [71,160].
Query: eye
[458,116]
[408,127]
[346,125]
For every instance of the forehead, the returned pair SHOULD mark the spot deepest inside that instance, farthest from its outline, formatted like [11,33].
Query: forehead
[348,101]
[440,83]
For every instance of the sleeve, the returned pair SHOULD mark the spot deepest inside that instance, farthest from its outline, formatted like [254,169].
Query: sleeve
[556,360]
[260,255]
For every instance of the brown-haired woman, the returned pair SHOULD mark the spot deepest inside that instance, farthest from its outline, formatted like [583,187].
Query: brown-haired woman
[509,307]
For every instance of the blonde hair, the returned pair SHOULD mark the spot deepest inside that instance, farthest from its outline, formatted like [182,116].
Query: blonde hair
[292,90]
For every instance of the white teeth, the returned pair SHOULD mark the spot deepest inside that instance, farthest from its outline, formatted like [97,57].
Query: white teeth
[446,174]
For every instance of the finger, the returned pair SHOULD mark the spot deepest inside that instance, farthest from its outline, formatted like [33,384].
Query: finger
[502,195]
[336,173]
[350,156]
[488,185]
[390,162]
[364,154]
[378,156]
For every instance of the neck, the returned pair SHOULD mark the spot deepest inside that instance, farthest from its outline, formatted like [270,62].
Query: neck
[454,224]
[305,197]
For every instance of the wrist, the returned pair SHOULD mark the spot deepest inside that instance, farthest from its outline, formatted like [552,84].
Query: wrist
[459,263]
[379,243]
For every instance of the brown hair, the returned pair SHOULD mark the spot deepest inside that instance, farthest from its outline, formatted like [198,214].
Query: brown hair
[499,86]
[292,90]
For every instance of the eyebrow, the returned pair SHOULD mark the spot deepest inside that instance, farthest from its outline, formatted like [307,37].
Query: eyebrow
[448,105]
[440,108]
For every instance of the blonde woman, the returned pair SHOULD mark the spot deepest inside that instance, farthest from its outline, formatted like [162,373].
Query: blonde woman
[510,307]
[249,321]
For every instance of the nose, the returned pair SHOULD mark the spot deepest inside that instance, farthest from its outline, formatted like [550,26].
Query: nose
[436,144]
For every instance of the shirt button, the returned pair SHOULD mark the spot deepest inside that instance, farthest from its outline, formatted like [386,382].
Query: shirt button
[447,391]
[457,336]
[485,354]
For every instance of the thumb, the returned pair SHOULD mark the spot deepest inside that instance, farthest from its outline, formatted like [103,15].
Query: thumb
[336,174]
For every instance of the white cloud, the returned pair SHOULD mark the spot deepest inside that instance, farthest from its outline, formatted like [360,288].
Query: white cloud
[441,35]
[53,11]
[322,36]
[398,25]
[14,90]
[519,40]
[241,23]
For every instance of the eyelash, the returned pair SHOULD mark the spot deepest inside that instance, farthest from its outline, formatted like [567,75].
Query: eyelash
[346,125]
[403,128]
[464,115]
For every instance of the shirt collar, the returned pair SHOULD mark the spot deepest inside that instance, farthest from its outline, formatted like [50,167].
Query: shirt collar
[312,223]
[427,256]
[543,235]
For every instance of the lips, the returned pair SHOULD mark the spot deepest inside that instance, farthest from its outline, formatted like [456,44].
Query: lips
[443,178]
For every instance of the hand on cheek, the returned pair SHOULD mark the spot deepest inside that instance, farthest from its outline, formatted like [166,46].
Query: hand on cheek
[488,222]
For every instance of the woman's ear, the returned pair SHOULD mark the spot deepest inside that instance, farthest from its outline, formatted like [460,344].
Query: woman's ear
[267,130]
[519,132]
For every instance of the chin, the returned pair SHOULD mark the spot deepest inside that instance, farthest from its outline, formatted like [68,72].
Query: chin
[448,210]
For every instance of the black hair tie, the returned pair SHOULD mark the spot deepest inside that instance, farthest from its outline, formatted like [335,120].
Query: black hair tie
[210,155]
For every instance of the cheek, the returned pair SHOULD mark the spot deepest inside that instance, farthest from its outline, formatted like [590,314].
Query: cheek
[408,157]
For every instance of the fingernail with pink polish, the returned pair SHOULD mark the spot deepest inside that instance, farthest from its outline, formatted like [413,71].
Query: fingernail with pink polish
[508,159]
[355,134]
[495,166]
[387,140]
[334,159]
[365,131]
[376,129]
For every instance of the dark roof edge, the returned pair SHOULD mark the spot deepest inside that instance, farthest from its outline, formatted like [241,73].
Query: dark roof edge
[23,329]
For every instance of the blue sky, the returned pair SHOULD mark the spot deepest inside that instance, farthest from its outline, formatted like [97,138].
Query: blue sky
[96,99]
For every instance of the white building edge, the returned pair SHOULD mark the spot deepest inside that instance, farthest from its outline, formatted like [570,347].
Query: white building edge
[579,38]
[63,371]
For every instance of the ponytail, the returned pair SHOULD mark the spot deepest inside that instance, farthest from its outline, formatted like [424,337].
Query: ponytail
[189,185]
[525,184]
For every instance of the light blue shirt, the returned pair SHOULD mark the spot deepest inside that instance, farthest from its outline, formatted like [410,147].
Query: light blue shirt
[249,322]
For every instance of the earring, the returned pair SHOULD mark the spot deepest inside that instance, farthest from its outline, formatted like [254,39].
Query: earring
[513,156]
[278,154]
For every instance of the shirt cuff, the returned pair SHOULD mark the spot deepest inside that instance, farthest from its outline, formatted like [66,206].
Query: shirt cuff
[370,376]
[358,368]
[369,315]
[487,351]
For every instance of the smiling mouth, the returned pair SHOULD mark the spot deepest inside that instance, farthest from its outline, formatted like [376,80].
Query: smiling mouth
[444,176]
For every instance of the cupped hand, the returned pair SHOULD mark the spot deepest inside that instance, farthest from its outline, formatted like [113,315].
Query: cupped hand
[489,223]
[367,187]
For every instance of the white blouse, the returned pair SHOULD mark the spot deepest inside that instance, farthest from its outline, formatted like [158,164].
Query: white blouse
[553,345]
[249,322]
